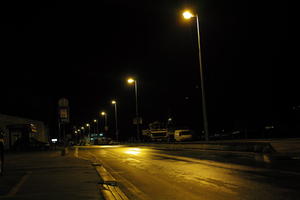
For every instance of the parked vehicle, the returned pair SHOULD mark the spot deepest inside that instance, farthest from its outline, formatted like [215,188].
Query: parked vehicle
[156,132]
[183,135]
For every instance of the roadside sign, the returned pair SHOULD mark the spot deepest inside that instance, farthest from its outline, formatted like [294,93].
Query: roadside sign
[63,102]
[63,110]
[137,120]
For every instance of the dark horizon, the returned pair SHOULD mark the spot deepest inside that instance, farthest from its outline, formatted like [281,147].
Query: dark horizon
[85,52]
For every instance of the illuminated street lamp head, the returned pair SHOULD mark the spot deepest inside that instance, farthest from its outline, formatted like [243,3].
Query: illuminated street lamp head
[103,113]
[82,128]
[87,125]
[187,14]
[130,80]
[113,102]
[95,120]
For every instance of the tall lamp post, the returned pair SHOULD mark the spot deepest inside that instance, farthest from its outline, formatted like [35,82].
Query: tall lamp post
[116,118]
[83,132]
[89,127]
[96,125]
[82,128]
[104,114]
[188,15]
[133,81]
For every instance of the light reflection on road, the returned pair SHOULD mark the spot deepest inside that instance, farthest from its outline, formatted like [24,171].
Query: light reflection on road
[133,151]
[158,175]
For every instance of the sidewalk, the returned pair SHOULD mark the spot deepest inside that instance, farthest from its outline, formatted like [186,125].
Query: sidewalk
[48,175]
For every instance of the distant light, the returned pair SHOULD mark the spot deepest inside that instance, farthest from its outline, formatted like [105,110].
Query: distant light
[95,120]
[130,80]
[101,134]
[82,128]
[87,125]
[269,127]
[54,140]
[76,132]
[187,14]
[113,102]
[170,119]
[103,113]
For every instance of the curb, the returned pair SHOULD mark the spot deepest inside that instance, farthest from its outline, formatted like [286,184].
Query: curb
[109,186]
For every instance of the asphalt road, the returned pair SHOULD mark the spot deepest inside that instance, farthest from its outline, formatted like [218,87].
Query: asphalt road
[145,173]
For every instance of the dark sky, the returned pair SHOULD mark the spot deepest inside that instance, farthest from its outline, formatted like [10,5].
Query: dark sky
[84,50]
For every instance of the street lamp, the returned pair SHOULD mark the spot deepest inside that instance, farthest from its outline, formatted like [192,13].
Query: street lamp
[188,15]
[88,125]
[96,127]
[104,114]
[133,81]
[113,102]
[83,130]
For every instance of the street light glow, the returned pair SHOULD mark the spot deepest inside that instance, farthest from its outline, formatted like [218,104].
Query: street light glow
[130,80]
[95,120]
[113,102]
[82,128]
[103,113]
[87,125]
[187,14]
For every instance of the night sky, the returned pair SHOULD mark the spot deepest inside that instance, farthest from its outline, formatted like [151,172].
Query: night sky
[85,50]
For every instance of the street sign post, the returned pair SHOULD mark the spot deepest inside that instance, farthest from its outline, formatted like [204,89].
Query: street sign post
[64,117]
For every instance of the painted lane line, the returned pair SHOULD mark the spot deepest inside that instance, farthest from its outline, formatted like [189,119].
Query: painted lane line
[17,187]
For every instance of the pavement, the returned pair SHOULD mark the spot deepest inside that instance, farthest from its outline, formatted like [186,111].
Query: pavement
[48,175]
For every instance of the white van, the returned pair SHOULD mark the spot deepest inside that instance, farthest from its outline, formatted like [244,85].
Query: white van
[183,135]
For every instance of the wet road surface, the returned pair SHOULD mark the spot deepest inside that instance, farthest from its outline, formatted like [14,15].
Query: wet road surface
[145,173]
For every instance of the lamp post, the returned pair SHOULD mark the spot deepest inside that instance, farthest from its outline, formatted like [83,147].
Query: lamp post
[88,125]
[133,81]
[96,126]
[104,114]
[188,15]
[83,132]
[116,119]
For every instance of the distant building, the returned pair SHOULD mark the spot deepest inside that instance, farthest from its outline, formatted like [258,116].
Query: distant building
[15,128]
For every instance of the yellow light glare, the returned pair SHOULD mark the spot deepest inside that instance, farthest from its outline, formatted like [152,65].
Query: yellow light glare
[133,151]
[187,14]
[87,125]
[113,102]
[103,113]
[95,120]
[130,80]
